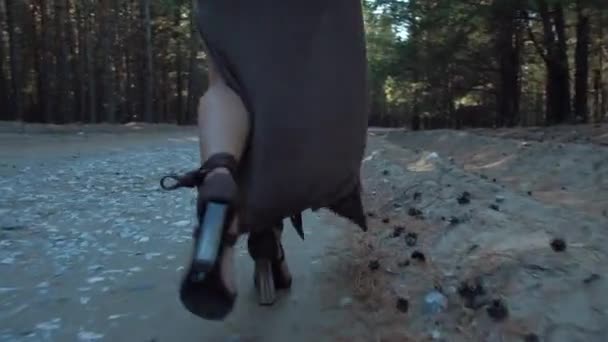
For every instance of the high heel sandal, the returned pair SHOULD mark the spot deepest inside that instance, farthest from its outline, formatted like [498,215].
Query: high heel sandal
[269,276]
[202,291]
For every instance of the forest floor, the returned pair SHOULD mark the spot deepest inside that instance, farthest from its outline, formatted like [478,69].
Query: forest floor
[488,210]
[91,249]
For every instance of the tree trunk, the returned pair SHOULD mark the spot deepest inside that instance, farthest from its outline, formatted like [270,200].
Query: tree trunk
[76,57]
[4,85]
[556,60]
[147,69]
[603,102]
[179,105]
[90,64]
[37,54]
[62,94]
[582,64]
[194,82]
[81,61]
[12,14]
[562,104]
[508,54]
[45,64]
[108,76]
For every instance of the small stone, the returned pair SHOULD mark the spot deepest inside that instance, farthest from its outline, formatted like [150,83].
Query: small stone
[183,223]
[43,284]
[494,180]
[558,245]
[414,212]
[470,291]
[592,278]
[403,305]
[374,265]
[53,324]
[531,337]
[464,198]
[500,199]
[89,336]
[417,196]
[386,220]
[435,302]
[116,316]
[529,193]
[454,220]
[404,263]
[346,301]
[385,172]
[417,255]
[494,207]
[94,280]
[397,231]
[7,261]
[411,239]
[472,248]
[497,310]
[13,228]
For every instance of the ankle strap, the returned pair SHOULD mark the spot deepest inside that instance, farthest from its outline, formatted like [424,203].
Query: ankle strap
[195,178]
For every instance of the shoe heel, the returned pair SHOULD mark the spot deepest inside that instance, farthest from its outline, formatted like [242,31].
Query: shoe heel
[208,237]
[264,281]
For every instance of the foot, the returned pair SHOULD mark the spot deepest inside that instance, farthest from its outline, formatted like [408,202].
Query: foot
[211,293]
[280,269]
[271,270]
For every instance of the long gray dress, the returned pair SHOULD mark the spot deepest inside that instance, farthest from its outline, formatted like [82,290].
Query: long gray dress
[300,67]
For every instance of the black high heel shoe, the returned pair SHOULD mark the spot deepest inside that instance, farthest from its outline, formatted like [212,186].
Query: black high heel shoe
[202,291]
[270,274]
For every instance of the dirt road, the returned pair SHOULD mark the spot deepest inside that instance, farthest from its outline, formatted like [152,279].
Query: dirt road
[92,250]
[508,226]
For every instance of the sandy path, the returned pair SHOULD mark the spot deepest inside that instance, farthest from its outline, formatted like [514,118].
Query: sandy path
[91,249]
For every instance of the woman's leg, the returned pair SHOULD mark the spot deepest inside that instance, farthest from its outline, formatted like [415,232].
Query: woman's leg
[208,289]
[223,123]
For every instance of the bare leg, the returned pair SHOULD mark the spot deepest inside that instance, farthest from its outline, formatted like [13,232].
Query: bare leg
[223,120]
[223,124]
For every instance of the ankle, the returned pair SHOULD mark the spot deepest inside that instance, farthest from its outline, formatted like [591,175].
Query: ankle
[219,170]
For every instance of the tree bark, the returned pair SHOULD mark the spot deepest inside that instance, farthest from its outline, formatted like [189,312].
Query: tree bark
[582,64]
[81,61]
[75,59]
[556,61]
[90,64]
[562,71]
[4,84]
[108,77]
[508,46]
[147,69]
[12,15]
[46,64]
[194,82]
[179,88]
[62,93]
